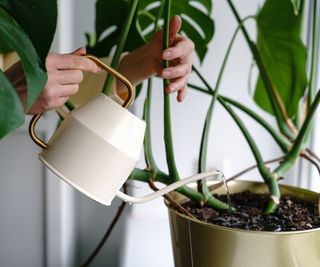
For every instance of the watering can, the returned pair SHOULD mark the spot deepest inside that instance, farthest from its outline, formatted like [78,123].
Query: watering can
[98,145]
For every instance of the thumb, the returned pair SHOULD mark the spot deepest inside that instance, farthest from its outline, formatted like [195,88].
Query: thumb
[174,28]
[80,51]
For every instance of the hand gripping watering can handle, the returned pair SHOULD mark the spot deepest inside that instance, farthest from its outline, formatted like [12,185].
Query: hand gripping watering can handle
[110,70]
[216,174]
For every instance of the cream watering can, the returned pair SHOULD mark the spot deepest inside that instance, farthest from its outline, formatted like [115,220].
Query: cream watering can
[98,145]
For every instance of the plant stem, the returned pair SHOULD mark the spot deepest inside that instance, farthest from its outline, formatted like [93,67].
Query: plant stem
[122,40]
[69,105]
[146,114]
[268,178]
[147,139]
[314,47]
[297,147]
[173,172]
[202,185]
[283,143]
[274,99]
[198,197]
[237,175]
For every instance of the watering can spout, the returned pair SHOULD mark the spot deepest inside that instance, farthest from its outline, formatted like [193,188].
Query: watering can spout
[213,175]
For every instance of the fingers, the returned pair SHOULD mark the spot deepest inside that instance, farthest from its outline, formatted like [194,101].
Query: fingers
[182,48]
[182,69]
[174,28]
[71,62]
[182,94]
[67,77]
[64,75]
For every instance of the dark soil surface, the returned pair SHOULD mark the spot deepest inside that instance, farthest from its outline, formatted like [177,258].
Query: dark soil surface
[292,214]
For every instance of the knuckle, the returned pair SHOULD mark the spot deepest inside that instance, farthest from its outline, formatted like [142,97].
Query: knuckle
[50,61]
[75,62]
[80,75]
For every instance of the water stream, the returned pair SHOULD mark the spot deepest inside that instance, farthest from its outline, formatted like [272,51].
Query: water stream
[225,184]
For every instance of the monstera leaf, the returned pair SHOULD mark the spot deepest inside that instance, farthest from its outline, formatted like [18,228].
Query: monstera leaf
[283,54]
[32,43]
[37,18]
[110,17]
[110,14]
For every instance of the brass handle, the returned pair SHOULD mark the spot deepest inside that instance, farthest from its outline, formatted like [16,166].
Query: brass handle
[126,103]
[33,134]
[117,75]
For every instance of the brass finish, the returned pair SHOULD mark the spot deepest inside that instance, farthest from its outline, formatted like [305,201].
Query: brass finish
[126,103]
[201,244]
[33,134]
[117,75]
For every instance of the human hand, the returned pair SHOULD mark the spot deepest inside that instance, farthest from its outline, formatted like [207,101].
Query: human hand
[64,75]
[180,55]
[146,61]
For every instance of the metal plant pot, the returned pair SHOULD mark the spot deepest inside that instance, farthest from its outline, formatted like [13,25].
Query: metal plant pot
[202,244]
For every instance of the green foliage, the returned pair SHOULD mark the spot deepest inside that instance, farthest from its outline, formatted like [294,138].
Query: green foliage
[109,24]
[283,54]
[11,113]
[196,15]
[27,28]
[14,37]
[110,18]
[37,18]
[296,6]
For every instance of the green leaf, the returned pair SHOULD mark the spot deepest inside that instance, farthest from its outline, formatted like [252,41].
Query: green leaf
[283,54]
[110,16]
[296,6]
[13,36]
[11,112]
[37,18]
[197,24]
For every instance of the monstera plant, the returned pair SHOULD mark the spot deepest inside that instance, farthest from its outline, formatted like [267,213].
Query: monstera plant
[279,54]
[285,86]
[22,33]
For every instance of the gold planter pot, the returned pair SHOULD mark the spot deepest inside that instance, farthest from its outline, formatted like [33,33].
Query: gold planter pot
[200,244]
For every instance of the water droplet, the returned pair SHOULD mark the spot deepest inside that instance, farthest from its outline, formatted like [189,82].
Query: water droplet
[130,203]
[225,184]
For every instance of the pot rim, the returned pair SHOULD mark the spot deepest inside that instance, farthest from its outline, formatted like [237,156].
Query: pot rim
[211,225]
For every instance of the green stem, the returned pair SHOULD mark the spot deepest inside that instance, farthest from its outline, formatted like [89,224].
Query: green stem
[283,143]
[268,178]
[205,134]
[173,172]
[315,43]
[146,114]
[297,147]
[122,40]
[69,105]
[206,130]
[144,176]
[276,104]
[147,139]
[198,197]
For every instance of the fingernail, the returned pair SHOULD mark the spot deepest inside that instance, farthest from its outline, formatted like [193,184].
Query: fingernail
[172,88]
[166,74]
[166,55]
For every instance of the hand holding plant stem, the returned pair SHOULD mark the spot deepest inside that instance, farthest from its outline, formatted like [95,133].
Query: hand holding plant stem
[146,61]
